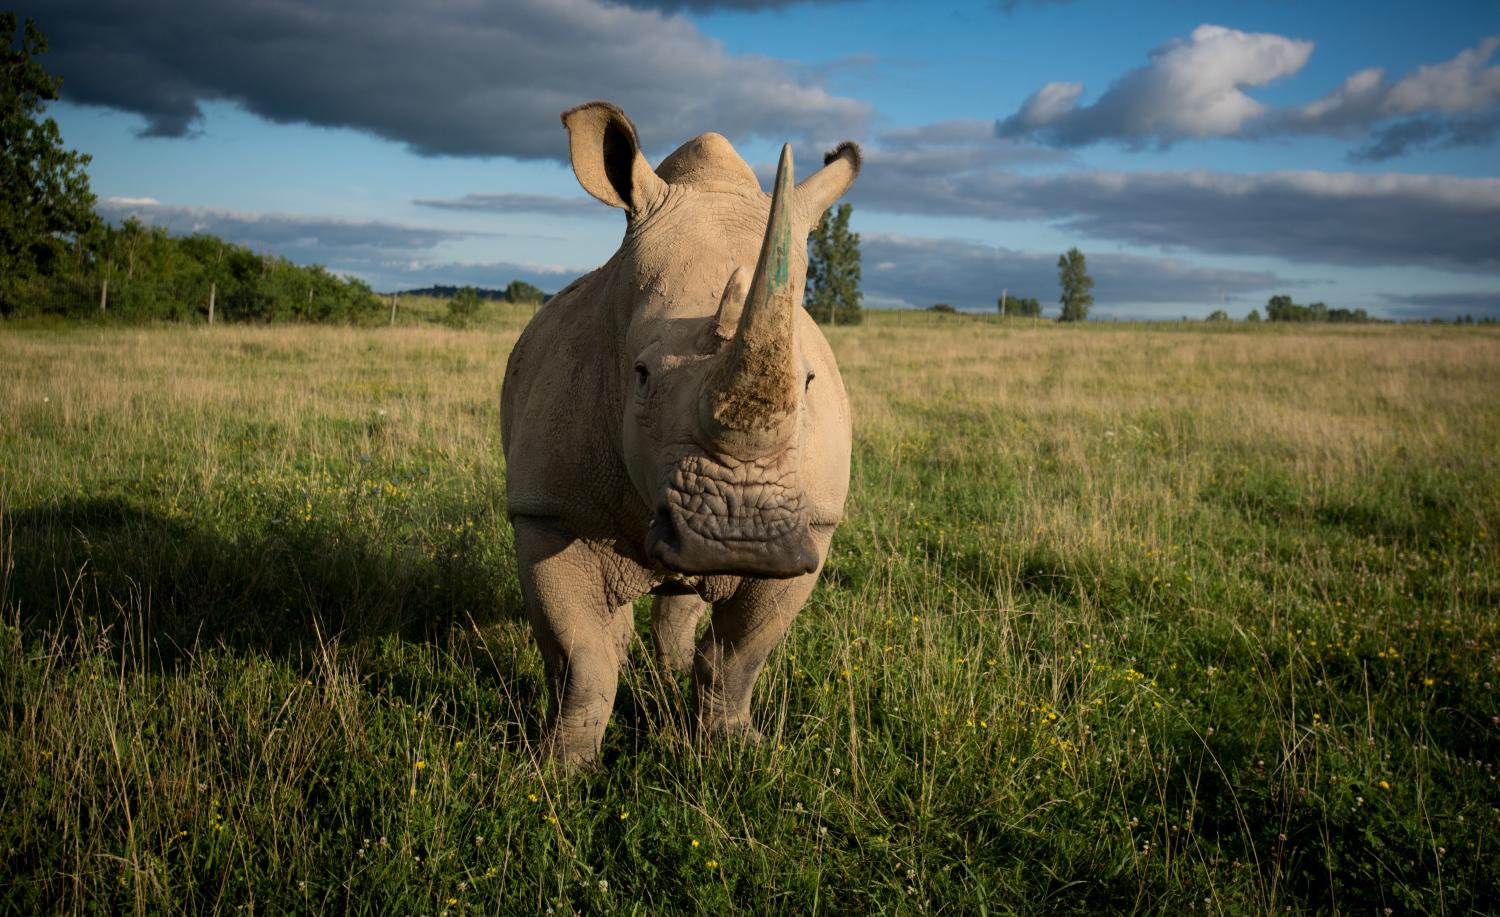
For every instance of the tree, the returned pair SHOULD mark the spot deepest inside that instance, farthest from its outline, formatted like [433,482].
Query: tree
[45,201]
[833,275]
[943,307]
[1073,277]
[464,307]
[1254,316]
[1280,308]
[520,291]
[1218,315]
[1021,306]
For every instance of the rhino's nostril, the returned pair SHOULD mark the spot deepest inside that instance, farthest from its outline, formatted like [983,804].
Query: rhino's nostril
[663,534]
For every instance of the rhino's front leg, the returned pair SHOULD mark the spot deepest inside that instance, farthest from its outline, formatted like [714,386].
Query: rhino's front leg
[583,637]
[674,624]
[740,636]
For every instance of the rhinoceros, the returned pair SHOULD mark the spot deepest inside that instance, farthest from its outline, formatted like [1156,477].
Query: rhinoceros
[671,427]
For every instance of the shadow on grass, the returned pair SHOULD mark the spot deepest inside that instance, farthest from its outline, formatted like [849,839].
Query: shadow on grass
[182,584]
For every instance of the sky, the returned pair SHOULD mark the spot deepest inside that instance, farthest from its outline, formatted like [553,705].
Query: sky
[1203,155]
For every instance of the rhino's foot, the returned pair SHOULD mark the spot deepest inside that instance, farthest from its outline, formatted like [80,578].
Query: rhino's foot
[573,745]
[714,732]
[569,757]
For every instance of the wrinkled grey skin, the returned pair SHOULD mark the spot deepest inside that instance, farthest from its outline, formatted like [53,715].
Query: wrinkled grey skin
[674,423]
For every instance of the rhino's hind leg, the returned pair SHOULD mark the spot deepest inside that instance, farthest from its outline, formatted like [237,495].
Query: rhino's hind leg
[583,639]
[740,636]
[674,626]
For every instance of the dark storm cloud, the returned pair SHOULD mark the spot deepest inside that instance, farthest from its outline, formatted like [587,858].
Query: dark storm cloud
[1429,132]
[551,205]
[1319,217]
[968,275]
[713,6]
[461,78]
[1479,303]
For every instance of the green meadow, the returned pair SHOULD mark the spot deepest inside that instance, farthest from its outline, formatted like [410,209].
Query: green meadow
[1122,618]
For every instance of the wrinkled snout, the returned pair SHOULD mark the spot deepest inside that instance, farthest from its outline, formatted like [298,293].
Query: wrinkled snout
[737,519]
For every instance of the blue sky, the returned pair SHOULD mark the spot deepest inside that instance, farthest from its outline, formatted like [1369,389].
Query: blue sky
[1203,155]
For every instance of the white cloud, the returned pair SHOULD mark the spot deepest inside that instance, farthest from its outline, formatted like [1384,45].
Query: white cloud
[511,202]
[388,256]
[1453,103]
[1195,88]
[1459,85]
[1189,89]
[1047,105]
[304,238]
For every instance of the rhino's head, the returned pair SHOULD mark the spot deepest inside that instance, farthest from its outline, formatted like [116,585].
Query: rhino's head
[727,392]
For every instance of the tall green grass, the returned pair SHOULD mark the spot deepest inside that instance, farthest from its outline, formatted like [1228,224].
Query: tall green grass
[1121,618]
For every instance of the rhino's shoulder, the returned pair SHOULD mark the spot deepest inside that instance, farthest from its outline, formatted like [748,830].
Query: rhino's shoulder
[557,419]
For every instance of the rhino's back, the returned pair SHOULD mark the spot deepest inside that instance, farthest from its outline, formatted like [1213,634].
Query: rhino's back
[555,414]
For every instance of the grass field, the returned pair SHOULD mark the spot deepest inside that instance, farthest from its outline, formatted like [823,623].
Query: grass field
[1167,619]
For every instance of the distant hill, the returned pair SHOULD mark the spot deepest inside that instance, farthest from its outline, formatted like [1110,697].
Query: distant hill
[449,293]
[519,291]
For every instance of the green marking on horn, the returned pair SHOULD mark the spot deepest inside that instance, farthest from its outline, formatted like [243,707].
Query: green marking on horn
[781,224]
[783,249]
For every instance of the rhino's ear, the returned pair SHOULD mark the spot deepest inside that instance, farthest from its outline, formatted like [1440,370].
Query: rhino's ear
[818,191]
[607,158]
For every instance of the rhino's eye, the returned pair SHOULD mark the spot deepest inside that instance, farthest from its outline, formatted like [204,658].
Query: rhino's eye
[642,375]
[810,376]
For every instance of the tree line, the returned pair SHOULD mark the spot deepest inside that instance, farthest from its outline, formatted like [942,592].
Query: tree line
[141,273]
[58,257]
[1280,308]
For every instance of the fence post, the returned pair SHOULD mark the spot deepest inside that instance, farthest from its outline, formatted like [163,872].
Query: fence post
[104,295]
[213,290]
[393,310]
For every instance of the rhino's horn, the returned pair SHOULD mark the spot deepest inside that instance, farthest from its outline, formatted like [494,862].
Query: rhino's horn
[731,306]
[754,389]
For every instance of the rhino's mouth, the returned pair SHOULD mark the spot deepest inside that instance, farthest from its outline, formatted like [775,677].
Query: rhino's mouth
[739,519]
